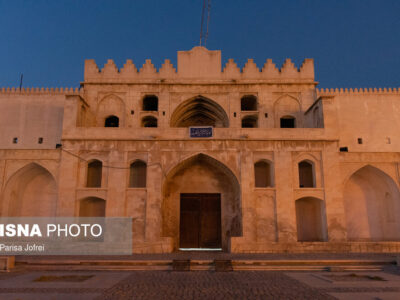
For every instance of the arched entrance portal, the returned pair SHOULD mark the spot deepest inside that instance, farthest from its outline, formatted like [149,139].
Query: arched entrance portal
[372,206]
[201,204]
[30,192]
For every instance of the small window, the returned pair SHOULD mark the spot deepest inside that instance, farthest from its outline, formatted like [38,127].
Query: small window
[15,140]
[248,103]
[288,122]
[137,174]
[263,174]
[40,140]
[250,122]
[359,141]
[306,174]
[111,121]
[149,122]
[150,103]
[94,173]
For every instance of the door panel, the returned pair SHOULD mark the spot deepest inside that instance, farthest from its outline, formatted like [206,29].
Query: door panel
[200,221]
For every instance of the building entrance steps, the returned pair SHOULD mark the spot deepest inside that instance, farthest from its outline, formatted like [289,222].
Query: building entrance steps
[210,261]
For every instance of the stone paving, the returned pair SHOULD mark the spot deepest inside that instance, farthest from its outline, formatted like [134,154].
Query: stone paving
[103,285]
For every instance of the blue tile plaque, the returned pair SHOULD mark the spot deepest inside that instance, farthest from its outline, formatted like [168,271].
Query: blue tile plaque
[201,132]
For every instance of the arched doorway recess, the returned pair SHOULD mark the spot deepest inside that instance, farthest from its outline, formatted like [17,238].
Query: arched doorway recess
[372,206]
[184,190]
[30,192]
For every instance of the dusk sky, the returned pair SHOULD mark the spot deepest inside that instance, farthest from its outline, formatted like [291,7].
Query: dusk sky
[354,43]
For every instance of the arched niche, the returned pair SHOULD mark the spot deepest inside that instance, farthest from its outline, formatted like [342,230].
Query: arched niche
[110,105]
[263,174]
[287,107]
[94,173]
[137,174]
[199,111]
[372,206]
[202,174]
[306,174]
[311,220]
[30,192]
[92,207]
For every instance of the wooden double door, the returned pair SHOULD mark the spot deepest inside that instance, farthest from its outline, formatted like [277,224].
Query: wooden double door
[200,221]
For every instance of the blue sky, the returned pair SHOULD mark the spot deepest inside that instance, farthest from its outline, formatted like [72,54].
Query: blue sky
[354,43]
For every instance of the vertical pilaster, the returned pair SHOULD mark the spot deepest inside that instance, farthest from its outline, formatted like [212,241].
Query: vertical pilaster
[333,196]
[285,208]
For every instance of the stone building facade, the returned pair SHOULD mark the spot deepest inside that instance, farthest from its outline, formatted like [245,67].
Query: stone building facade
[251,160]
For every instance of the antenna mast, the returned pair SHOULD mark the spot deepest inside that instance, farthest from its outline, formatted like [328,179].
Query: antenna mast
[204,35]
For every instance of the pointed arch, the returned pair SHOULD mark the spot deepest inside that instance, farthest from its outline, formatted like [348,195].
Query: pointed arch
[372,206]
[199,111]
[110,105]
[201,174]
[30,192]
[287,106]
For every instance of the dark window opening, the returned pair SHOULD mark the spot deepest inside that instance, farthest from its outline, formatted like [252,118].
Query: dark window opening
[344,149]
[149,122]
[248,103]
[249,122]
[150,103]
[360,141]
[40,140]
[137,174]
[111,121]
[94,173]
[263,174]
[306,175]
[288,122]
[234,115]
[132,112]
[15,140]
[266,115]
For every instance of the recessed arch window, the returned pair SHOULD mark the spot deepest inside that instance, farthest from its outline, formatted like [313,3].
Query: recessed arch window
[250,122]
[111,121]
[288,122]
[149,121]
[263,174]
[137,174]
[248,103]
[94,173]
[306,174]
[150,103]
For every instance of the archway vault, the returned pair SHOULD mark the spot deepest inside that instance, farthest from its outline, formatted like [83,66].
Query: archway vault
[372,206]
[200,174]
[30,192]
[199,111]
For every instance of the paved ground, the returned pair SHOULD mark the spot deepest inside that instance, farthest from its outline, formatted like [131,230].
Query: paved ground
[102,285]
[217,255]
